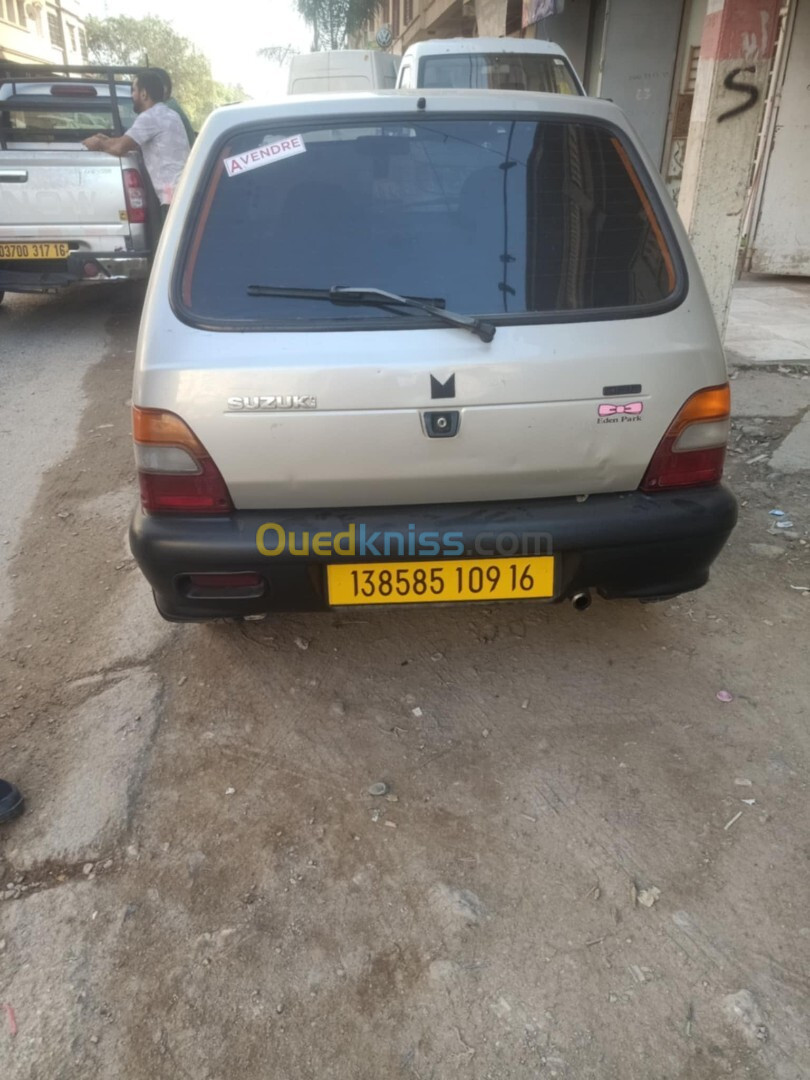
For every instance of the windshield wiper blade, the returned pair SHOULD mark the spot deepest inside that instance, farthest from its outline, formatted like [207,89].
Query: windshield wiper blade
[350,294]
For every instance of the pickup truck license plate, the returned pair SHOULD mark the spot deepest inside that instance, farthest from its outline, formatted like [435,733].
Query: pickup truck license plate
[442,581]
[27,250]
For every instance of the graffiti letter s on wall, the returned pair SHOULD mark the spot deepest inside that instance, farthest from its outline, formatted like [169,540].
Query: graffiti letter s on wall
[730,83]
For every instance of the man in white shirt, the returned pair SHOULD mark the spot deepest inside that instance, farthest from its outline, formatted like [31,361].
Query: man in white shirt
[158,133]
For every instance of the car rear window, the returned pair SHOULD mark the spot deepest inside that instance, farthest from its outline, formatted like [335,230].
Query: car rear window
[498,71]
[512,218]
[55,121]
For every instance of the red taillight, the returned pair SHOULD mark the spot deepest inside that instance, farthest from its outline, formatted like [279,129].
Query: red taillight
[693,450]
[176,473]
[66,90]
[135,195]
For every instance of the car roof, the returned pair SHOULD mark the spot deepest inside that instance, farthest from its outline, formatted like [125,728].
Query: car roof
[393,103]
[440,46]
[334,59]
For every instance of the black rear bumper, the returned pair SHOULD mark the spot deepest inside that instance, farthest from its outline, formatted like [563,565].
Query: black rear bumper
[624,545]
[21,276]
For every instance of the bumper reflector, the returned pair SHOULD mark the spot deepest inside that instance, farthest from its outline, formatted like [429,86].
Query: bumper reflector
[225,581]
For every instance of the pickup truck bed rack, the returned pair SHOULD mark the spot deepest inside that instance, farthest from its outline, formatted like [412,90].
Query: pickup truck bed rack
[12,73]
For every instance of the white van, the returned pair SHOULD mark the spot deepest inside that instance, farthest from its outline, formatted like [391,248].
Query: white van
[489,64]
[342,71]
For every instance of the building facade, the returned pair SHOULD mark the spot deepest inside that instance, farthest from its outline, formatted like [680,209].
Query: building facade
[642,54]
[42,31]
[717,90]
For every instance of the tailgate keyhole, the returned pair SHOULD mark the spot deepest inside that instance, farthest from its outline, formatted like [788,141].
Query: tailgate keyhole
[441,425]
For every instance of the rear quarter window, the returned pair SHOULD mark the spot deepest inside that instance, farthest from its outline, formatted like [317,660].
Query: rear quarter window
[516,219]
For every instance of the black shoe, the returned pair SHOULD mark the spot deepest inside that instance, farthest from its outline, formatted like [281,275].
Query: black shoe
[11,801]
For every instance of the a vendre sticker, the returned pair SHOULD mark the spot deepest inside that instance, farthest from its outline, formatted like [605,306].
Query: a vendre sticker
[264,155]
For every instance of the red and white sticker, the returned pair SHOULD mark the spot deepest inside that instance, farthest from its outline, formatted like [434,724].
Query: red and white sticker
[264,155]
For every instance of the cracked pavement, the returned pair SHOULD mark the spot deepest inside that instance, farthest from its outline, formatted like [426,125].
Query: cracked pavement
[545,770]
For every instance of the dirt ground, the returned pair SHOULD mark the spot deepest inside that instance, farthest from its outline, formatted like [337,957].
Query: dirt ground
[586,865]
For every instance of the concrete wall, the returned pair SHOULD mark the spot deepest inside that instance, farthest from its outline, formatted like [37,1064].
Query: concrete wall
[781,243]
[490,16]
[570,30]
[735,61]
[639,56]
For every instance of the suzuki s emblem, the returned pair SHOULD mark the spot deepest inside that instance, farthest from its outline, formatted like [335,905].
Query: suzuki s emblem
[446,389]
[270,403]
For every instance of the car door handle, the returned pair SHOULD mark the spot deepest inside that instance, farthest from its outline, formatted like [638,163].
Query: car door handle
[13,176]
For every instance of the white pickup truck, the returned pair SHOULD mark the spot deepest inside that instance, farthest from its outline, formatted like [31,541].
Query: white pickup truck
[69,215]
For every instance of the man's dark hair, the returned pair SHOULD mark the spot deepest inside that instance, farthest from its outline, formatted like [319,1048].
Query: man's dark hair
[166,79]
[152,83]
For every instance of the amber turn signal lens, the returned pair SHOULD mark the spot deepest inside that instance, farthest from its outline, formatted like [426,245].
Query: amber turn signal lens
[159,428]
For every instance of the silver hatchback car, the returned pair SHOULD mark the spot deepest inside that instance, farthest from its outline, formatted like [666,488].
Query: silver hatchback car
[425,346]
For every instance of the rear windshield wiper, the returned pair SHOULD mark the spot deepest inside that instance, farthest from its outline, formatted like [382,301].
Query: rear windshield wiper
[347,294]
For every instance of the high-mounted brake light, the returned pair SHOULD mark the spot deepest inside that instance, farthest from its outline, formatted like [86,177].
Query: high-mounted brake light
[176,473]
[135,195]
[693,450]
[66,90]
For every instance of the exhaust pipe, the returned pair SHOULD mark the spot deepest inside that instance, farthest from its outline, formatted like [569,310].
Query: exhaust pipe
[581,601]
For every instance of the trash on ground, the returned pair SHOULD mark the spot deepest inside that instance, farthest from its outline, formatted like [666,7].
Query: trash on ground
[736,817]
[724,695]
[785,524]
[302,643]
[801,588]
[742,1011]
[417,711]
[742,781]
[379,788]
[749,802]
[777,513]
[647,897]
[756,460]
[12,1020]
[637,973]
[230,791]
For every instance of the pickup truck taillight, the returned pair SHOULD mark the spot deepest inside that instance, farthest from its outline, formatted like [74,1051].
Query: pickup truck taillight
[693,450]
[176,473]
[135,195]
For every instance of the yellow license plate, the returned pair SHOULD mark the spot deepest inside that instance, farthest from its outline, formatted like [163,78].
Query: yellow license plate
[442,581]
[34,251]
